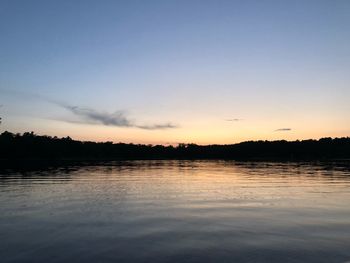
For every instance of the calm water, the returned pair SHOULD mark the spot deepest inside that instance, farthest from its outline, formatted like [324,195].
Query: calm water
[177,211]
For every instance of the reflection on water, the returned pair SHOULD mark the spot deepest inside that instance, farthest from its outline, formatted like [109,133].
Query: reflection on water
[177,211]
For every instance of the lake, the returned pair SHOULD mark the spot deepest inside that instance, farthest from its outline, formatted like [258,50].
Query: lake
[177,211]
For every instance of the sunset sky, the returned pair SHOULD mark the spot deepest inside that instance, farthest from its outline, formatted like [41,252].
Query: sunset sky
[176,71]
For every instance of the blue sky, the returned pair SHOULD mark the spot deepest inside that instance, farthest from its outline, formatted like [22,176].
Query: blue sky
[186,67]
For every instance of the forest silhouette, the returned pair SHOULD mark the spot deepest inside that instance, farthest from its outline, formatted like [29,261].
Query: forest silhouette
[30,146]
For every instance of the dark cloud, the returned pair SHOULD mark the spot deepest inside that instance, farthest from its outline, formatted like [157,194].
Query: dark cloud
[118,119]
[283,129]
[92,116]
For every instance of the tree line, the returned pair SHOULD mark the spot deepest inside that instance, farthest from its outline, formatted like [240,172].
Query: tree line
[31,146]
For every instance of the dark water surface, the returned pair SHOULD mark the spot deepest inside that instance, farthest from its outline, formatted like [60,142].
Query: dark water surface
[177,211]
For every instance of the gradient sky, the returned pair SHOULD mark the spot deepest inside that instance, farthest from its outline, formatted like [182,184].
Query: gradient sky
[176,71]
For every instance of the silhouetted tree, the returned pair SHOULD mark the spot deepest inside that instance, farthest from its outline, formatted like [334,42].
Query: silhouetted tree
[31,146]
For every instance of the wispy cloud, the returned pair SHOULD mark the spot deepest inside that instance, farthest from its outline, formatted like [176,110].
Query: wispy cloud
[157,126]
[235,119]
[92,116]
[117,119]
[283,129]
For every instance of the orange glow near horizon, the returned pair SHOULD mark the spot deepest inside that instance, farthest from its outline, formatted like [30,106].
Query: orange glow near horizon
[200,132]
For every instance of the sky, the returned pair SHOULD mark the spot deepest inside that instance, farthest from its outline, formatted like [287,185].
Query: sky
[168,72]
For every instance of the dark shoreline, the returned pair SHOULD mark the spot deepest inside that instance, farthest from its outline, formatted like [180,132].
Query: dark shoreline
[29,148]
